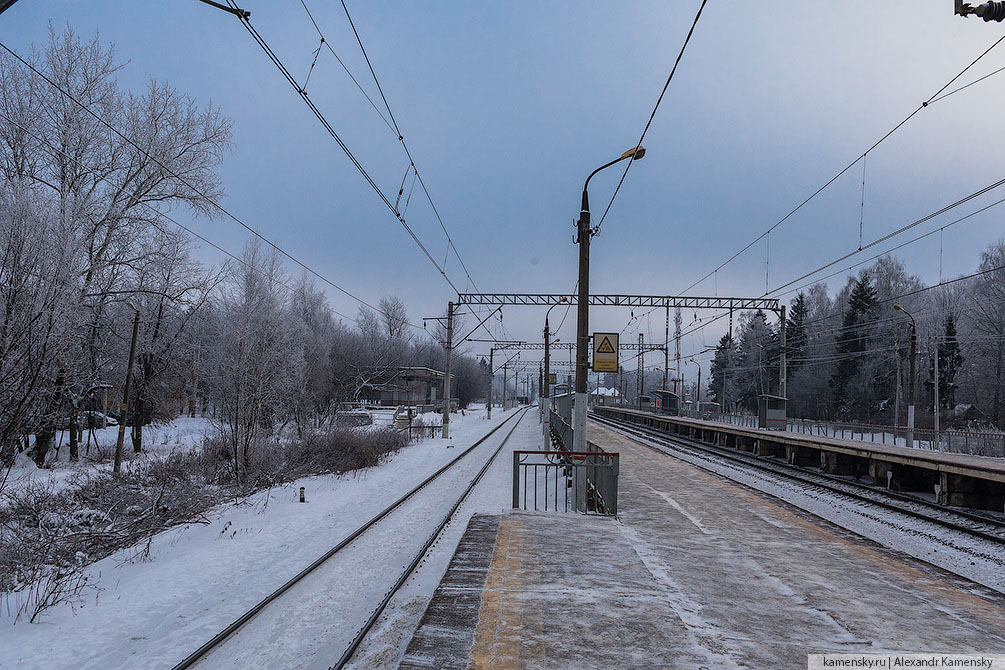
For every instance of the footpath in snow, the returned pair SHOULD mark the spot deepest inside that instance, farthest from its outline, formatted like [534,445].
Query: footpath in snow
[150,611]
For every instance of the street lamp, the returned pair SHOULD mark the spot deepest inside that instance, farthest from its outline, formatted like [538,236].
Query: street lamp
[545,384]
[910,385]
[584,233]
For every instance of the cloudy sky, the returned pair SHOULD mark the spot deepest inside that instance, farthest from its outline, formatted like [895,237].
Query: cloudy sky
[506,107]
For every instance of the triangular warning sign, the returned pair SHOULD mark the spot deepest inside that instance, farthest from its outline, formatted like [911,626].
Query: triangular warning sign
[605,346]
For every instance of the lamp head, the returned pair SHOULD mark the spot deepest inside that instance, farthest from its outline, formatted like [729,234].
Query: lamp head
[898,308]
[634,153]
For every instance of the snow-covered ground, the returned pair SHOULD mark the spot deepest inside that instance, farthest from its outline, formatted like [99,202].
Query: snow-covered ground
[152,612]
[386,643]
[158,439]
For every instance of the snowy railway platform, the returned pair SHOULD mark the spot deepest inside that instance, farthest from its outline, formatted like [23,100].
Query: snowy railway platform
[700,571]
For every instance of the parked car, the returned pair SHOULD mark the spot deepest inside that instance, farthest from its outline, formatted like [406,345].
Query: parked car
[97,419]
[117,417]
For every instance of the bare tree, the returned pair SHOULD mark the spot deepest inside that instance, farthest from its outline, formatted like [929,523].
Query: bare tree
[104,189]
[395,316]
[34,323]
[987,318]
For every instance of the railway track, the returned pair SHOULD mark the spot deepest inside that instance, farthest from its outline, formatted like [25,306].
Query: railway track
[217,640]
[986,528]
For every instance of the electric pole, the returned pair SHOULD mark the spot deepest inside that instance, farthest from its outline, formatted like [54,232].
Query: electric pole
[935,389]
[124,408]
[910,384]
[492,374]
[448,346]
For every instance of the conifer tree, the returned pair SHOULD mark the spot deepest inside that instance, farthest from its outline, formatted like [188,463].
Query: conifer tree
[853,340]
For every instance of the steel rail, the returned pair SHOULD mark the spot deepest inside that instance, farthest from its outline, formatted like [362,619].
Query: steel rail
[348,653]
[218,639]
[791,472]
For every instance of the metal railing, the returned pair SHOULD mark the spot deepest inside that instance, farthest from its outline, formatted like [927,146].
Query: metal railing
[566,481]
[950,441]
[561,432]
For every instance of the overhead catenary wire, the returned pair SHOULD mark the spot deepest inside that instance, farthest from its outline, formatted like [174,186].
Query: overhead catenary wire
[680,54]
[899,296]
[393,125]
[892,249]
[931,99]
[182,179]
[161,214]
[347,71]
[902,229]
[404,145]
[342,145]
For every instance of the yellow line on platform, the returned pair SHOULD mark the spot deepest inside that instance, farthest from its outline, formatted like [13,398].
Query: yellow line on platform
[497,637]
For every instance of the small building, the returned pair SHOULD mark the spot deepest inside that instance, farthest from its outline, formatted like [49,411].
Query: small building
[665,402]
[771,412]
[413,386]
[605,396]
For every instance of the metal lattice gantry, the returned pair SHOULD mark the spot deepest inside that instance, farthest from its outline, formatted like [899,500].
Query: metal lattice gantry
[569,346]
[619,300]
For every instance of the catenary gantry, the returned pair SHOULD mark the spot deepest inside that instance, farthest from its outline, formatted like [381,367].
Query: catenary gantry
[619,300]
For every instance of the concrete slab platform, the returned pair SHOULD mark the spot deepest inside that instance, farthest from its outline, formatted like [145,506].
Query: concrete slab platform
[697,572]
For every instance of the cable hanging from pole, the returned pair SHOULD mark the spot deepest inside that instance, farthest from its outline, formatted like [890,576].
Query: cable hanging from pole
[596,229]
[931,99]
[331,131]
[182,179]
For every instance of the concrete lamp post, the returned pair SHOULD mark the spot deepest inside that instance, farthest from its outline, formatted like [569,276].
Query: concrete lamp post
[584,233]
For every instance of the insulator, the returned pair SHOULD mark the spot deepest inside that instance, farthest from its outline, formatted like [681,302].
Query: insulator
[991,11]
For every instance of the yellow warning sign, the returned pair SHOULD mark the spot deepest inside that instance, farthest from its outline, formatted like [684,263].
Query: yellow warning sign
[605,352]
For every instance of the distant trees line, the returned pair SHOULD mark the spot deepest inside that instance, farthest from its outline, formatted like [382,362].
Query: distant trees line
[84,247]
[848,357]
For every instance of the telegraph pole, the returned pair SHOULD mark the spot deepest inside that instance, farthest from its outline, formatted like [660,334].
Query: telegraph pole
[125,394]
[782,379]
[492,374]
[448,346]
[504,388]
[910,390]
[935,389]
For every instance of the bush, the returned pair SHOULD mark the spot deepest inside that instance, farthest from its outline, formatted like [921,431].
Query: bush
[47,536]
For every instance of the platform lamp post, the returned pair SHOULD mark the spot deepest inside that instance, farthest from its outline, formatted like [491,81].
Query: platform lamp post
[910,384]
[584,233]
[545,385]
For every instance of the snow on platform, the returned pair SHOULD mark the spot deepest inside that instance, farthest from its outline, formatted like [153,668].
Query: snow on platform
[697,572]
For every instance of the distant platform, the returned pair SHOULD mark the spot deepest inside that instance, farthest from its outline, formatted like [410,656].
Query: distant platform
[962,480]
[696,572]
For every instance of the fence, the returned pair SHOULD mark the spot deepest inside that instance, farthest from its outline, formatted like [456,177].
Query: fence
[952,441]
[561,432]
[418,431]
[566,481]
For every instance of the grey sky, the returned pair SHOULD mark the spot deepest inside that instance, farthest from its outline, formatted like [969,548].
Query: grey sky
[508,106]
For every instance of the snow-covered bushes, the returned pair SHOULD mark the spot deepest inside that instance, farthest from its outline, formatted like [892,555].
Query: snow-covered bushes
[48,536]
